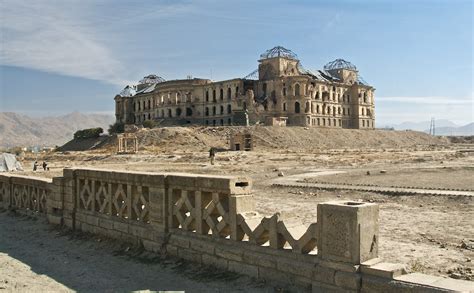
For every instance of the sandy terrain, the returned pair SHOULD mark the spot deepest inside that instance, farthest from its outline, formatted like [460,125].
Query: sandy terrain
[431,234]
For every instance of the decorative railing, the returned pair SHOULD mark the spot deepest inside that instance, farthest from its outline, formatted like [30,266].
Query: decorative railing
[117,197]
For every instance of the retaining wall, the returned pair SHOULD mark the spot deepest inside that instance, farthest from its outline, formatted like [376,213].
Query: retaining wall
[211,220]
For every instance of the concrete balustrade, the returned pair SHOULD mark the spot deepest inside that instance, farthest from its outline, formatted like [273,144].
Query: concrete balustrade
[211,220]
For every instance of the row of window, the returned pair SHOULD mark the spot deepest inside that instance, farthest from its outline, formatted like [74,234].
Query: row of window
[214,110]
[221,94]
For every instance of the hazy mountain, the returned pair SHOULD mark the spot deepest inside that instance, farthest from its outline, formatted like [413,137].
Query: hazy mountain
[462,130]
[423,125]
[22,130]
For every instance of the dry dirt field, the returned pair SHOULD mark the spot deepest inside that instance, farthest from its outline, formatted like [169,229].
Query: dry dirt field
[431,234]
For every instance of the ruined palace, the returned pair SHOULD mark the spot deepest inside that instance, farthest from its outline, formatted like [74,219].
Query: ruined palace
[281,89]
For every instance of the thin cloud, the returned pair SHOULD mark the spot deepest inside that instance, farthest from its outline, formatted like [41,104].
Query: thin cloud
[427,100]
[49,37]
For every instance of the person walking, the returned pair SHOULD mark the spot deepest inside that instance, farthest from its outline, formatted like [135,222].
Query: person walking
[45,165]
[212,155]
[35,166]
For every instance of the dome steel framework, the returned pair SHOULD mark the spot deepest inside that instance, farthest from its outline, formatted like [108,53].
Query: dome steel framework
[152,78]
[278,51]
[340,64]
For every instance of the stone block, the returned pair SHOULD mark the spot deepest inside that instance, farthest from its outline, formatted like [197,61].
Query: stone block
[277,277]
[54,219]
[203,246]
[188,255]
[385,270]
[214,261]
[151,246]
[92,220]
[437,282]
[348,231]
[234,254]
[243,268]
[171,250]
[259,259]
[68,222]
[121,227]
[107,224]
[297,268]
[324,274]
[348,280]
[179,241]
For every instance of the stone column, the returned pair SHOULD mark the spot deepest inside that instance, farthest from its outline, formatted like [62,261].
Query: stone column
[348,231]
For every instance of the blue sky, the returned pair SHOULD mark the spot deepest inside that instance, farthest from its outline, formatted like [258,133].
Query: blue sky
[62,56]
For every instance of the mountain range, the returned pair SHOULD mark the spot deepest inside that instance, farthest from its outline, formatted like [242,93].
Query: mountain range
[22,130]
[442,127]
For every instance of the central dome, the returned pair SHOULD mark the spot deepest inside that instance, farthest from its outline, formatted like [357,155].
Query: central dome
[278,51]
[340,64]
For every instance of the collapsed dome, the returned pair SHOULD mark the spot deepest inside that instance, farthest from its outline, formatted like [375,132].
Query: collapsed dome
[278,51]
[128,91]
[151,79]
[340,64]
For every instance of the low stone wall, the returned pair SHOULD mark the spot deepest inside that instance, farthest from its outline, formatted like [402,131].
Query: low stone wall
[211,220]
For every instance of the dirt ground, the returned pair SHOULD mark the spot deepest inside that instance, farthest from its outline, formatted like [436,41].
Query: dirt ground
[36,258]
[430,234]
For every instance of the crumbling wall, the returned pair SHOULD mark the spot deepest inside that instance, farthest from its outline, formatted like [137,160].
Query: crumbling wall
[211,220]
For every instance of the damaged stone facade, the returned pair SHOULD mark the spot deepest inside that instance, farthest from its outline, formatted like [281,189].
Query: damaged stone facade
[336,97]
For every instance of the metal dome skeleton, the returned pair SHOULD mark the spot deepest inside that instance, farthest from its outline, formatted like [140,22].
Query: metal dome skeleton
[152,78]
[278,51]
[340,64]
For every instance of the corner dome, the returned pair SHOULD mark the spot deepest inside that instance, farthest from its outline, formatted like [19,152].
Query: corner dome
[340,64]
[128,91]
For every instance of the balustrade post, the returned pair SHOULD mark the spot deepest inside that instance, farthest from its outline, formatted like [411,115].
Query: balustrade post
[349,231]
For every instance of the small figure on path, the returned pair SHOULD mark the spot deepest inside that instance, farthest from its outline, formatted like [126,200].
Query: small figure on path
[35,166]
[212,155]
[45,166]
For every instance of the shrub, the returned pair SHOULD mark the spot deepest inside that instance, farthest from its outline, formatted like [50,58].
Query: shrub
[117,127]
[88,133]
[149,124]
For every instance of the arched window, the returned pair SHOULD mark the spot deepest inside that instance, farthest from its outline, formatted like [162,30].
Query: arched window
[297,89]
[207,96]
[222,121]
[284,106]
[307,107]
[297,107]
[222,110]
[214,96]
[170,114]
[334,111]
[229,121]
[149,104]
[178,112]
[284,91]
[222,94]
[149,116]
[264,89]
[318,110]
[317,95]
[206,111]
[189,112]
[237,91]
[214,110]
[229,109]
[229,93]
